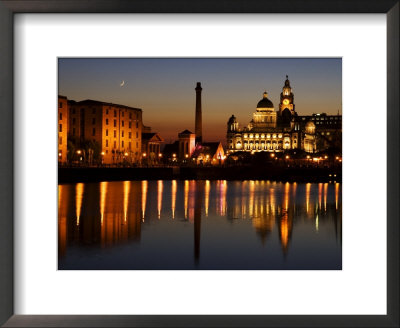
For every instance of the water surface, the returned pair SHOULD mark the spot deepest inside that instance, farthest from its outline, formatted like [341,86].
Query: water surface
[200,224]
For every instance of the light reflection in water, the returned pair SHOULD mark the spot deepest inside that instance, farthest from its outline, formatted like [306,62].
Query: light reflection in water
[273,209]
[159,197]
[251,197]
[186,198]
[144,198]
[173,197]
[79,195]
[319,196]
[127,188]
[325,194]
[308,189]
[103,195]
[206,196]
[337,185]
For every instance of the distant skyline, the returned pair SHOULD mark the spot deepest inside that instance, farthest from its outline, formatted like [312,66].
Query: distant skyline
[164,88]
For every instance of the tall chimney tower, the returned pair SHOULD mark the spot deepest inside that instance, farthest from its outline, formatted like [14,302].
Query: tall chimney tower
[198,124]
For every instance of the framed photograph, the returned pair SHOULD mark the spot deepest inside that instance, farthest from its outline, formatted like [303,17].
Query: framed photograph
[207,164]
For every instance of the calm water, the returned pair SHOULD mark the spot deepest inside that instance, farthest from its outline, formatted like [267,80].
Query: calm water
[200,225]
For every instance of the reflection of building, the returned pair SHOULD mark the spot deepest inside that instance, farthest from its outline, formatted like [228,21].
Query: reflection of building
[151,147]
[271,130]
[62,128]
[114,129]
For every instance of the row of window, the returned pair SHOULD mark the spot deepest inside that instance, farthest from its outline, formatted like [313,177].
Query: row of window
[263,136]
[122,144]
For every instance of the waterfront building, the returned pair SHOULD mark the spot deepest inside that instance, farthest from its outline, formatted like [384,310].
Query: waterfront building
[187,144]
[111,131]
[151,147]
[277,131]
[62,129]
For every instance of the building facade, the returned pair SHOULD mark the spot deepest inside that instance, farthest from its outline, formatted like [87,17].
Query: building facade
[109,131]
[151,148]
[62,129]
[277,131]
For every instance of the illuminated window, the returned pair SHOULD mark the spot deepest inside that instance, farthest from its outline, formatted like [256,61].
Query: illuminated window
[274,136]
[251,136]
[257,135]
[268,136]
[245,136]
[280,135]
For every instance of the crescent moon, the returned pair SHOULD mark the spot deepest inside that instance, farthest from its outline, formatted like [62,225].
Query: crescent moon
[122,84]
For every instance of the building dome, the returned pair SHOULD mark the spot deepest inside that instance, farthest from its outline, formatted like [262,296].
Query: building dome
[265,102]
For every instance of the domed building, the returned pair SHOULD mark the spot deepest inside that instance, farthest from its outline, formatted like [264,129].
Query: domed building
[271,130]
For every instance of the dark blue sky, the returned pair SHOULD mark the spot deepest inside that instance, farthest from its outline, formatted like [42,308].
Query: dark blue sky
[164,88]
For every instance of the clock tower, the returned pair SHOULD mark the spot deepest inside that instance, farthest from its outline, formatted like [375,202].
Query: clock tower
[286,105]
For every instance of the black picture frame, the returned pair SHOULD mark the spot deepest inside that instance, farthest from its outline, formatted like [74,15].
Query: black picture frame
[10,7]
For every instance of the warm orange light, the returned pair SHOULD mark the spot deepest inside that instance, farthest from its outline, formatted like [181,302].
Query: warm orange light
[186,155]
[126,154]
[308,156]
[144,154]
[287,157]
[272,155]
[78,152]
[326,157]
[59,155]
[173,155]
[159,155]
[102,153]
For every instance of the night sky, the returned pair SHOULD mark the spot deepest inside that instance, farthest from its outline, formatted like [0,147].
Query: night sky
[164,88]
